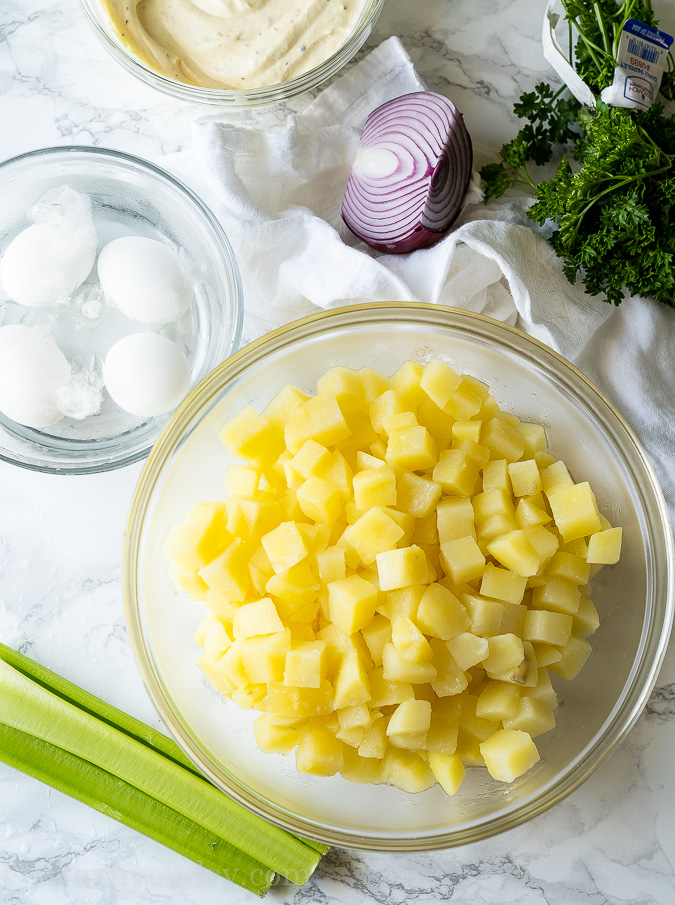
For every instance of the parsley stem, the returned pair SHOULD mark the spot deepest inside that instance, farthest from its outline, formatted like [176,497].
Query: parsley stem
[603,29]
[590,46]
[617,185]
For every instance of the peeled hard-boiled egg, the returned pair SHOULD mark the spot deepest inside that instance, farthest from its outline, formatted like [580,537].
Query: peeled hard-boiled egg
[145,279]
[146,374]
[45,263]
[32,372]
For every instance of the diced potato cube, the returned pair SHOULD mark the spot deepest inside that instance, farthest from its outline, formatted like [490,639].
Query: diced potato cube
[403,602]
[305,665]
[492,502]
[508,754]
[331,564]
[462,559]
[513,619]
[407,772]
[456,472]
[605,546]
[496,475]
[216,639]
[388,403]
[406,382]
[374,742]
[194,543]
[319,753]
[412,447]
[351,683]
[351,603]
[398,421]
[343,383]
[450,679]
[397,668]
[356,717]
[274,737]
[444,725]
[502,584]
[376,635]
[263,656]
[505,653]
[309,459]
[439,382]
[545,627]
[374,487]
[385,692]
[534,436]
[278,410]
[499,701]
[373,383]
[288,701]
[440,614]
[574,655]
[555,477]
[319,418]
[543,541]
[436,421]
[486,615]
[228,573]
[337,471]
[293,589]
[454,519]
[319,500]
[375,532]
[545,654]
[467,430]
[284,546]
[528,513]
[425,531]
[569,567]
[516,553]
[557,595]
[533,717]
[467,399]
[468,649]
[503,440]
[401,568]
[448,770]
[257,618]
[543,690]
[416,495]
[586,619]
[408,724]
[525,477]
[242,480]
[409,640]
[575,511]
[249,435]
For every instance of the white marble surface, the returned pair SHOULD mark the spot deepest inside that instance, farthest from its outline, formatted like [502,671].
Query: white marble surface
[612,841]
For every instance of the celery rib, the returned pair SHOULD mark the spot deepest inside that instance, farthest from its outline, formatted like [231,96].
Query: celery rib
[89,702]
[112,796]
[31,708]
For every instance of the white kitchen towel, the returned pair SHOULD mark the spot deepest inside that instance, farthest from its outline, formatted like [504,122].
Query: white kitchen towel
[278,194]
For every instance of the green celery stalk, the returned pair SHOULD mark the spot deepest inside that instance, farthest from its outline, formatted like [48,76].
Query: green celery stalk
[117,799]
[89,702]
[111,715]
[31,708]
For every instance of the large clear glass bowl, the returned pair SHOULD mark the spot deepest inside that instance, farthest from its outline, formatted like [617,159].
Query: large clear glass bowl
[99,19]
[634,598]
[129,196]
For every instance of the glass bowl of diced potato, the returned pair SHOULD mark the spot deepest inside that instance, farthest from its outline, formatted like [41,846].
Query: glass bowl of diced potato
[398,577]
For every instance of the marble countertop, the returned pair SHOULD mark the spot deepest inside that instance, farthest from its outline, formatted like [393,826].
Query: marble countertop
[612,841]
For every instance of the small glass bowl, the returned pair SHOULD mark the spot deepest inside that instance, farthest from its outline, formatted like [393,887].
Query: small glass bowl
[129,196]
[634,598]
[229,98]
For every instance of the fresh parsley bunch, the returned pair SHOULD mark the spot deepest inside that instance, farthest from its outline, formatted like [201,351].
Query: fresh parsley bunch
[614,203]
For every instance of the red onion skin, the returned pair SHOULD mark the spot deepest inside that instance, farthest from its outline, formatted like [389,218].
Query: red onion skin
[456,152]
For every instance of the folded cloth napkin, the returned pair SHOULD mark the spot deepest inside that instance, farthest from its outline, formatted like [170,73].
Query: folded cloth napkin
[278,195]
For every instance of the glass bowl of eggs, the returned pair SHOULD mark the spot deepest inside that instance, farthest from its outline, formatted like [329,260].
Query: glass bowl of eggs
[233,55]
[118,293]
[377,546]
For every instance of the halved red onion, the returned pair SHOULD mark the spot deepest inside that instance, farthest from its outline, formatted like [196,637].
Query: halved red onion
[410,174]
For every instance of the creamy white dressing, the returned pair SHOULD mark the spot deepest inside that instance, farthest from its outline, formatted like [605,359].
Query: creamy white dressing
[234,43]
